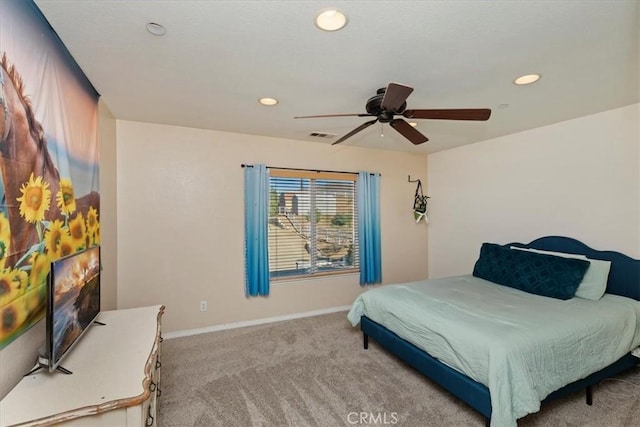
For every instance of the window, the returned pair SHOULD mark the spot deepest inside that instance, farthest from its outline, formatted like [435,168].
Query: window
[313,224]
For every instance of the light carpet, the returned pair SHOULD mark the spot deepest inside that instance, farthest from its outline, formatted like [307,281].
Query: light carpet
[315,372]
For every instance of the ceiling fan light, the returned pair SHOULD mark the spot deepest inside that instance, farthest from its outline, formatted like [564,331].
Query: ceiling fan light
[413,124]
[331,20]
[527,79]
[268,101]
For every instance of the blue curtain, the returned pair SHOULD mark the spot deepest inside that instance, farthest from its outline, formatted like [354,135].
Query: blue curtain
[368,191]
[256,216]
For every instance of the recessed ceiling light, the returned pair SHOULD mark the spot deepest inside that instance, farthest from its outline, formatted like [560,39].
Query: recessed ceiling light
[331,20]
[414,124]
[156,29]
[528,79]
[268,101]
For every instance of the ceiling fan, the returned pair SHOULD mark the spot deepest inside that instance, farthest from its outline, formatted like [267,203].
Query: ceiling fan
[391,101]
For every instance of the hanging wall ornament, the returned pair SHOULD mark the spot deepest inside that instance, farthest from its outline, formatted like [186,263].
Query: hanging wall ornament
[420,204]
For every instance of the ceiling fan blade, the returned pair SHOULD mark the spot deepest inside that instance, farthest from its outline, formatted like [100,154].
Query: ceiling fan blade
[394,96]
[450,114]
[334,115]
[356,130]
[408,131]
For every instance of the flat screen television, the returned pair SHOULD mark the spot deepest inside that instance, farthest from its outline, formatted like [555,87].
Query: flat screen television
[73,303]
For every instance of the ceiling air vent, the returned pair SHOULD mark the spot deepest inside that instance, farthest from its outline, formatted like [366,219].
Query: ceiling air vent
[322,135]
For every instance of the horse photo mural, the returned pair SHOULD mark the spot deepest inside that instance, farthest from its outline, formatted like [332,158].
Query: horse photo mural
[48,157]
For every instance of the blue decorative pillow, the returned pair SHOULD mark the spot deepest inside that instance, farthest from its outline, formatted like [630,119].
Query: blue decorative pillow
[539,274]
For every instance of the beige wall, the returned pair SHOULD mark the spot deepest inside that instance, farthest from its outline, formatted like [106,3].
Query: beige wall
[181,224]
[108,206]
[579,178]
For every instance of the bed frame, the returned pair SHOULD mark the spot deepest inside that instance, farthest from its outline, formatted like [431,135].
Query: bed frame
[624,280]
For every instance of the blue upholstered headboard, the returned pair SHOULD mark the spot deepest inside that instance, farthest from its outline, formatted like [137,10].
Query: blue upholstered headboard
[624,277]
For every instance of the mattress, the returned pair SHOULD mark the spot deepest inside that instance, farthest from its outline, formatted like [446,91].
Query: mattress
[521,346]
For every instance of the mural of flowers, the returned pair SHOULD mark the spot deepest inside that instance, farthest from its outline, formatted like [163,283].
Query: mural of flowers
[45,196]
[23,286]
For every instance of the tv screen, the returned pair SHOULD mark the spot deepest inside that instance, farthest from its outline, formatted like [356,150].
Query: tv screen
[73,303]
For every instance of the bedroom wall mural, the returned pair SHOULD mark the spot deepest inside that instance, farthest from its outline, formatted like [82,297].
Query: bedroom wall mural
[49,164]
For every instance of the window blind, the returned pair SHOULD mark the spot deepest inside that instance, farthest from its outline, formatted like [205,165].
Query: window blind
[313,223]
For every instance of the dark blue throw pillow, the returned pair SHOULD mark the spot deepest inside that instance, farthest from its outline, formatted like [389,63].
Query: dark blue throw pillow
[540,274]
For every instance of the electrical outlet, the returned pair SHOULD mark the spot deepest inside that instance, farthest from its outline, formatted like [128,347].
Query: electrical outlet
[203,306]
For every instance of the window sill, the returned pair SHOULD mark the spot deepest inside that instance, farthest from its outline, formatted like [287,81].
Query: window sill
[314,277]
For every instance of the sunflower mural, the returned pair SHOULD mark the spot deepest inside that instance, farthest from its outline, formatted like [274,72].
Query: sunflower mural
[23,286]
[49,163]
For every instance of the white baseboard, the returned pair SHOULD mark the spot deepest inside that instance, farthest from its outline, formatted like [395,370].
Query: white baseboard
[225,326]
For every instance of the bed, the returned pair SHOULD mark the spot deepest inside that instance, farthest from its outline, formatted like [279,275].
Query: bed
[500,362]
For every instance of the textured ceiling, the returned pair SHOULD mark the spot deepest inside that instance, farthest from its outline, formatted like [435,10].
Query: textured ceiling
[218,57]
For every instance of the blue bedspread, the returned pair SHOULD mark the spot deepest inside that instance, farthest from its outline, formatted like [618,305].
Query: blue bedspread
[520,346]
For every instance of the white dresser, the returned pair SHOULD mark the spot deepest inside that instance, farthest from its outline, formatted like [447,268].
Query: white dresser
[115,380]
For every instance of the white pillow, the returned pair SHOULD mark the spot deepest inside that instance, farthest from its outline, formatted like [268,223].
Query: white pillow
[594,282]
[561,254]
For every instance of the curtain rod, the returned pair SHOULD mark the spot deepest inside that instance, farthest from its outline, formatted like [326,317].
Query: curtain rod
[298,169]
